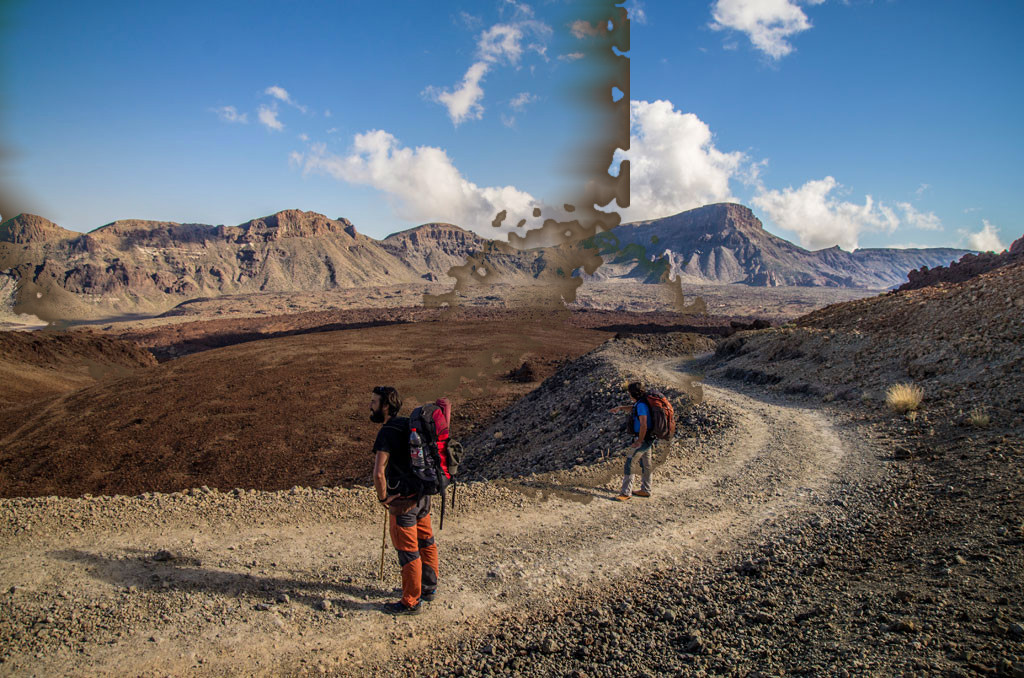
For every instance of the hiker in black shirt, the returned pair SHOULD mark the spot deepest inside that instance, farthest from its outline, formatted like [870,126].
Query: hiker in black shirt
[409,519]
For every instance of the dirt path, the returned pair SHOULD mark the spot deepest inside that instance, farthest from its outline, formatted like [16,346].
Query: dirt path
[82,593]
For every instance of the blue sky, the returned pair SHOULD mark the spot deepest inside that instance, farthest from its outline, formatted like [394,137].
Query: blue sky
[886,123]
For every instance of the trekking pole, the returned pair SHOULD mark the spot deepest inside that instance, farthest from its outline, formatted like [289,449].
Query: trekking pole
[383,541]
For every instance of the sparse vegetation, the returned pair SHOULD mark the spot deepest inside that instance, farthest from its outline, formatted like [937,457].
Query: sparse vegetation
[904,397]
[978,418]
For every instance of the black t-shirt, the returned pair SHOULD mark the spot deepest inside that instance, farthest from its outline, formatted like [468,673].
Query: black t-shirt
[393,438]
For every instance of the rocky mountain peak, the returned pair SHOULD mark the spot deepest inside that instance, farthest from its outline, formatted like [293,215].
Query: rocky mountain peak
[436,232]
[734,215]
[132,227]
[29,228]
[720,218]
[295,224]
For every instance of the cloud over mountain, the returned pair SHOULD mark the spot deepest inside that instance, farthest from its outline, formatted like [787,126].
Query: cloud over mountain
[421,183]
[821,220]
[674,164]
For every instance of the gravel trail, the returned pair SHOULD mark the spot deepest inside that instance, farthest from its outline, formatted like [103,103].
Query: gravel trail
[244,582]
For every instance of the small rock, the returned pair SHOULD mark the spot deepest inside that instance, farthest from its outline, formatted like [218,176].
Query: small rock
[261,607]
[1016,630]
[807,614]
[283,598]
[904,626]
[163,555]
[549,646]
[323,605]
[694,644]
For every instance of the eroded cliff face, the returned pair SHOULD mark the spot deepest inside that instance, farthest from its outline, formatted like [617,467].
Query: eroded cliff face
[133,266]
[969,266]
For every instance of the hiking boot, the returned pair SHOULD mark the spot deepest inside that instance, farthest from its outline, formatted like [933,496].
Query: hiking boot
[428,595]
[622,497]
[641,493]
[401,608]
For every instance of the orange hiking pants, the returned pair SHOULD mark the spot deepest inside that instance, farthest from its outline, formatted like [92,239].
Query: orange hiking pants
[413,538]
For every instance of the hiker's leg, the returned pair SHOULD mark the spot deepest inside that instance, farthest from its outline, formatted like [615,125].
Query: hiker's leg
[646,466]
[428,554]
[428,549]
[403,536]
[627,476]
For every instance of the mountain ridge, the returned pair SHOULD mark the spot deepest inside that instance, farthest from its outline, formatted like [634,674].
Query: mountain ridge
[134,265]
[726,242]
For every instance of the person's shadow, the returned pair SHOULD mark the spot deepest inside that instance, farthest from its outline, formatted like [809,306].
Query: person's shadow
[141,570]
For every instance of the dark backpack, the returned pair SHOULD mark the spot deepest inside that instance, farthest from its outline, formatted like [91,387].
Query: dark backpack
[433,456]
[662,422]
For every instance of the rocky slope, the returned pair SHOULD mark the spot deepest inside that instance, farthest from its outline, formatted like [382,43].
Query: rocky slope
[961,343]
[966,268]
[564,423]
[726,243]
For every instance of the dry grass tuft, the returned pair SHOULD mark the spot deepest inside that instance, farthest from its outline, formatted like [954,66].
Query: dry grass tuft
[978,418]
[904,397]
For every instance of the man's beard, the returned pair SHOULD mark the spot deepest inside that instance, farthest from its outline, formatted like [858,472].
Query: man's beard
[377,416]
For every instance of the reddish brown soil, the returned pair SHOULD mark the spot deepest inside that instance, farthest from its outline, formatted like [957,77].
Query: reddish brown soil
[269,414]
[38,364]
[175,340]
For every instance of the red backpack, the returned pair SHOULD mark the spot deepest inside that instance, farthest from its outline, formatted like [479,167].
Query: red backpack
[663,417]
[433,456]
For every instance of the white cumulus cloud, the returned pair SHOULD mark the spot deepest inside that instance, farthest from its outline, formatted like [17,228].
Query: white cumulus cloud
[674,165]
[463,103]
[268,117]
[422,184]
[521,100]
[821,220]
[230,114]
[281,94]
[924,220]
[985,240]
[501,44]
[768,23]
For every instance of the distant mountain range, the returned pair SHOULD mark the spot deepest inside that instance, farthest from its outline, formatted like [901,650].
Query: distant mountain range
[133,266]
[726,243]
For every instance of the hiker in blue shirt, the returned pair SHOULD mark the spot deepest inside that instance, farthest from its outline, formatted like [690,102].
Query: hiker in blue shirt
[642,442]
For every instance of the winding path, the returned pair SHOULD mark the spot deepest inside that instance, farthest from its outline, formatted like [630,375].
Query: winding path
[90,599]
